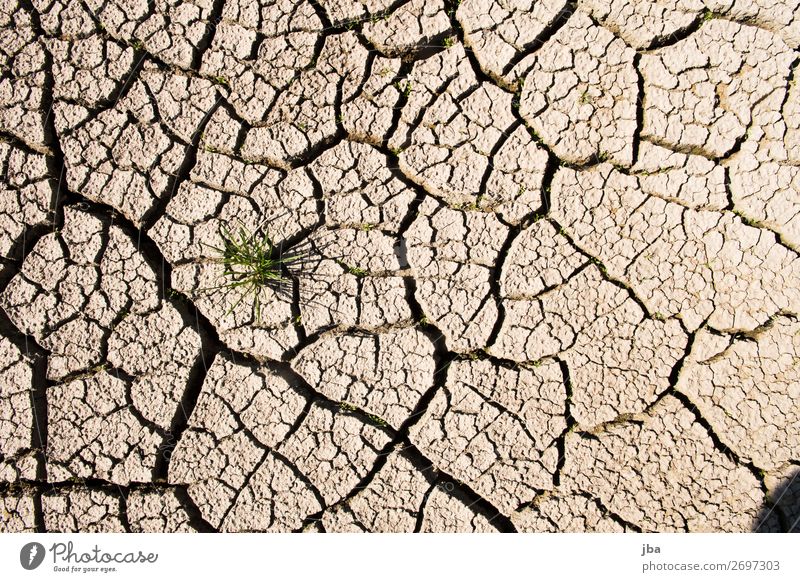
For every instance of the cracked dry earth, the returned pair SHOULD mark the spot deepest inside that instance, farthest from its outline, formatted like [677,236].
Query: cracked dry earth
[550,275]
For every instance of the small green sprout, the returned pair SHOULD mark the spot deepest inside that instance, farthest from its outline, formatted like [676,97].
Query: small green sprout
[357,271]
[377,420]
[404,87]
[346,407]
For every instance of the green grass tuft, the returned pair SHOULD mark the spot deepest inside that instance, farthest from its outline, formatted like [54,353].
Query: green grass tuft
[252,262]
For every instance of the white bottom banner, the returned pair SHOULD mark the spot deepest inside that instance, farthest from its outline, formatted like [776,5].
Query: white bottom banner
[390,557]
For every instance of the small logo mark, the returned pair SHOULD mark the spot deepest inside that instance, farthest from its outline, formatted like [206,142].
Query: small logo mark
[31,555]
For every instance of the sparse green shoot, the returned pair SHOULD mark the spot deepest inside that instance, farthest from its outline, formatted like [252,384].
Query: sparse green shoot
[404,87]
[357,271]
[377,420]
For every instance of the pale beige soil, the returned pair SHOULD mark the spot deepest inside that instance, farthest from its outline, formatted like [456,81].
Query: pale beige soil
[550,275]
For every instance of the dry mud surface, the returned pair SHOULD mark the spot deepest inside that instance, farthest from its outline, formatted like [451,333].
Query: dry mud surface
[550,275]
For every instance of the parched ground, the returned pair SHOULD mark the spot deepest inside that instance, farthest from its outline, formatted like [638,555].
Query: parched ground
[549,281]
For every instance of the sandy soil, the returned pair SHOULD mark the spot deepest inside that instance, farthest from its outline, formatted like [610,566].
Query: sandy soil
[550,276]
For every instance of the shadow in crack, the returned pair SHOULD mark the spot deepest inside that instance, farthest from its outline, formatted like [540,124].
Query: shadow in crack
[781,513]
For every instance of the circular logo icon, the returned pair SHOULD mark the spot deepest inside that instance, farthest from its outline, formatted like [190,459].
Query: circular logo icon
[31,555]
